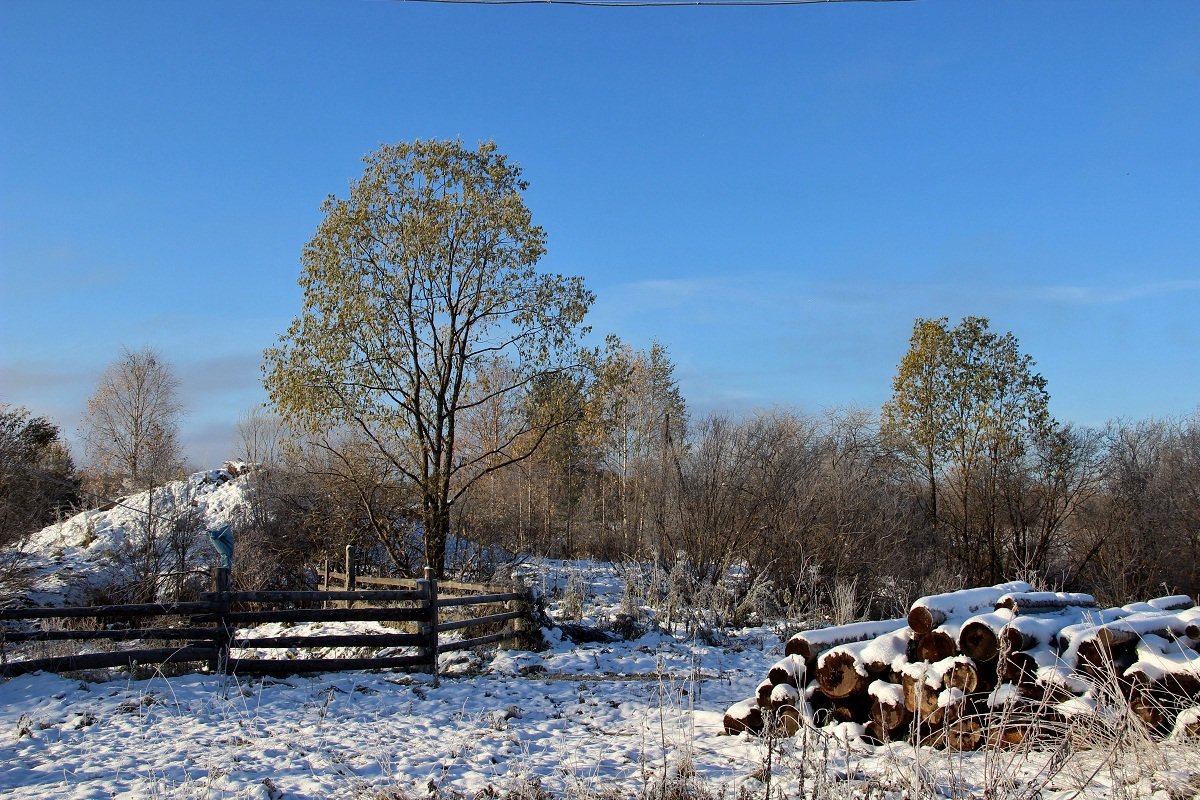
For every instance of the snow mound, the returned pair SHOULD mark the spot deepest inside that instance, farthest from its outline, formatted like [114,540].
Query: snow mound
[74,559]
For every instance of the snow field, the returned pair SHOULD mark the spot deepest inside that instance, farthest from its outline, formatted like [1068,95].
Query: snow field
[353,734]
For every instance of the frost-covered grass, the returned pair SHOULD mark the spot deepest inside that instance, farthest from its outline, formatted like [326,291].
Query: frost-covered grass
[628,719]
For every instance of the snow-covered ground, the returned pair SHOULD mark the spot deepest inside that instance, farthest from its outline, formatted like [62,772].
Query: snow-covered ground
[578,721]
[572,718]
[604,720]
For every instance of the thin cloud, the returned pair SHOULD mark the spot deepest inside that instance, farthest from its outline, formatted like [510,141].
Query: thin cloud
[17,377]
[1094,295]
[664,293]
[233,372]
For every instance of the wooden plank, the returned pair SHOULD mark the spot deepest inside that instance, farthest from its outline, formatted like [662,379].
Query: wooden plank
[478,600]
[443,586]
[320,615]
[115,635]
[477,588]
[129,610]
[123,658]
[335,640]
[478,641]
[366,579]
[283,666]
[363,595]
[488,620]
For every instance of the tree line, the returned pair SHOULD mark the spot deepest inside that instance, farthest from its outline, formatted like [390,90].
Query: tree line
[435,399]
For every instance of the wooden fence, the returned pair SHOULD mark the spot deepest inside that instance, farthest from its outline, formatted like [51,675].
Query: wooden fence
[206,630]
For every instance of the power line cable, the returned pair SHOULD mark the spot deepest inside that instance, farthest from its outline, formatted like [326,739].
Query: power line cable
[642,3]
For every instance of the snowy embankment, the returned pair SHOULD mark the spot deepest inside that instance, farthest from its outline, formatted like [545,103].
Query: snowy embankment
[90,551]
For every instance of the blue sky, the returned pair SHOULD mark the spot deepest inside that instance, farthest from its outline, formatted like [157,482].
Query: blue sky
[773,193]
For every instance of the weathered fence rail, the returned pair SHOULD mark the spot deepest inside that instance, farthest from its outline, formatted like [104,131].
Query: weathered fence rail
[208,629]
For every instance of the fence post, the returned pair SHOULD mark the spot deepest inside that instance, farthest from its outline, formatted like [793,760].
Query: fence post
[224,635]
[429,626]
[522,627]
[351,569]
[351,574]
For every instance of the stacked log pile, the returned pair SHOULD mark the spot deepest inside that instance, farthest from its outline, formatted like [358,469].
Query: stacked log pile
[984,666]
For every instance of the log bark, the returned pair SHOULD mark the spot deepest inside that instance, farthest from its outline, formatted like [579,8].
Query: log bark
[1024,603]
[1173,686]
[1175,602]
[1128,630]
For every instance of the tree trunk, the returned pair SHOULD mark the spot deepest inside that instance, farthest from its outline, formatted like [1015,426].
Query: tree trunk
[436,524]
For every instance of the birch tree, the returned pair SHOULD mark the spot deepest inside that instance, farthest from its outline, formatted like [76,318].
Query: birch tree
[131,430]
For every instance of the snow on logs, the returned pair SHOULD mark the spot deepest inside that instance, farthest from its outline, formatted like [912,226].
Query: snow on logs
[937,675]
[1044,602]
[809,644]
[930,612]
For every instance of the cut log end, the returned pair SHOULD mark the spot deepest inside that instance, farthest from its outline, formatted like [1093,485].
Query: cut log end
[964,676]
[920,699]
[743,718]
[935,646]
[923,619]
[887,716]
[978,641]
[838,678]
